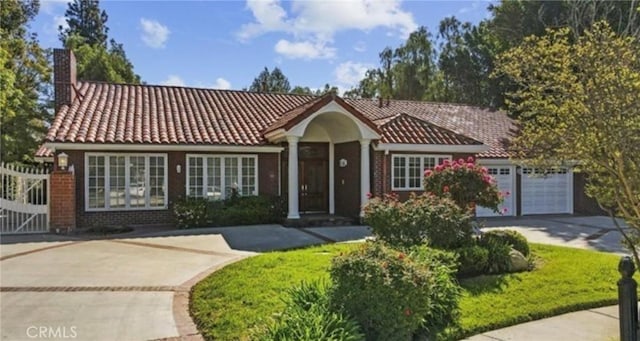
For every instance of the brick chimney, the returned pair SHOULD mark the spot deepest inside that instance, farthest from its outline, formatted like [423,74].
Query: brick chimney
[64,77]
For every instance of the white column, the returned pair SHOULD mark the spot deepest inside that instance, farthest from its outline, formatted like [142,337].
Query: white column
[364,173]
[293,178]
[332,177]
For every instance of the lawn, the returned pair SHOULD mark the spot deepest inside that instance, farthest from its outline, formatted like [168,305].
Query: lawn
[232,301]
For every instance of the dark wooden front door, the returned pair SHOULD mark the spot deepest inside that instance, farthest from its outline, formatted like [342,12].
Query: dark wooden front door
[313,185]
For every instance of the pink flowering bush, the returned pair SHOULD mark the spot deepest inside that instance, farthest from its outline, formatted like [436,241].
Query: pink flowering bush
[466,183]
[437,221]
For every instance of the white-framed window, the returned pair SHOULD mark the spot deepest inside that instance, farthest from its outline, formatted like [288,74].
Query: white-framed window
[116,181]
[215,176]
[407,171]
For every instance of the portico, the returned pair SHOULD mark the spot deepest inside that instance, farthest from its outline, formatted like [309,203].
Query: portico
[327,158]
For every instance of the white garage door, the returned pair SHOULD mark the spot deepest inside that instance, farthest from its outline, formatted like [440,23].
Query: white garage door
[547,191]
[504,176]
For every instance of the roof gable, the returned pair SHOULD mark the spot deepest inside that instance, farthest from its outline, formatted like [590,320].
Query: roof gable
[297,115]
[407,129]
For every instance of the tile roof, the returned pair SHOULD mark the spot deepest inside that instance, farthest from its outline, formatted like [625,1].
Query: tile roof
[404,128]
[123,113]
[492,127]
[293,117]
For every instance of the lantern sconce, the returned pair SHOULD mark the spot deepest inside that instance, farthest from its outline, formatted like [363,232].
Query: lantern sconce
[342,163]
[178,168]
[63,161]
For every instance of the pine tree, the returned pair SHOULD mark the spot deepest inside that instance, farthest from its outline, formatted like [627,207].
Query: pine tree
[87,21]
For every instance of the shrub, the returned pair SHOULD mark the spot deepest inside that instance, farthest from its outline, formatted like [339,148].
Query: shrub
[467,183]
[514,238]
[439,221]
[191,212]
[236,210]
[308,317]
[472,260]
[499,260]
[390,294]
[444,298]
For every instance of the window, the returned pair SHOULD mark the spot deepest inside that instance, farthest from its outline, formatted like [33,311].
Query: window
[408,170]
[215,177]
[123,182]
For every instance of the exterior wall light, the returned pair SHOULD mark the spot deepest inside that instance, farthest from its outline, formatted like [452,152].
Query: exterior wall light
[342,163]
[63,161]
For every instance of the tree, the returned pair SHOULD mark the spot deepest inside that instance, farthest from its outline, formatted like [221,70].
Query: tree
[86,20]
[578,102]
[466,60]
[24,77]
[273,82]
[98,59]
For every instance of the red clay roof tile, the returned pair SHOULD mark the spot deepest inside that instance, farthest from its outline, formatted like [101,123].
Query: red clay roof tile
[122,113]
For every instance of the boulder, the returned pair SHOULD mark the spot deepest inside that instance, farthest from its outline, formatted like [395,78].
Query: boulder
[518,261]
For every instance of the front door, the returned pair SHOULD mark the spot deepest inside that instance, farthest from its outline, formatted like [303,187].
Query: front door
[313,185]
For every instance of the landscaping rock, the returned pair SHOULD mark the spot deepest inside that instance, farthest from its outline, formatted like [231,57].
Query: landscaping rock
[518,261]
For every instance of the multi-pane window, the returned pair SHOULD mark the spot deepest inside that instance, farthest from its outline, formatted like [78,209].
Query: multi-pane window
[408,170]
[216,176]
[120,182]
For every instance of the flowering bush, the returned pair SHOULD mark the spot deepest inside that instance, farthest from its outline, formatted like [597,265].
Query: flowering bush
[467,183]
[391,294]
[425,218]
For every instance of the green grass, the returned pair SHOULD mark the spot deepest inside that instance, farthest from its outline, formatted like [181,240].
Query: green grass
[232,301]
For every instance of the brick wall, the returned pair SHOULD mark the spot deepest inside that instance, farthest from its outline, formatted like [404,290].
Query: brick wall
[267,185]
[581,202]
[382,172]
[268,177]
[62,201]
[64,77]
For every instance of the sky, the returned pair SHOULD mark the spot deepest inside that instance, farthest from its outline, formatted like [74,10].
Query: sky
[225,44]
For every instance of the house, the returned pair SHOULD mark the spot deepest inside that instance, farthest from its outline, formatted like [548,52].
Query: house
[136,149]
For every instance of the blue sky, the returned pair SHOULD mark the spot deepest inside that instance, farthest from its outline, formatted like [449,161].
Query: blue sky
[225,44]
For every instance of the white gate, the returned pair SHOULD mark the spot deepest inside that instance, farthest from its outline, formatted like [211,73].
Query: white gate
[24,199]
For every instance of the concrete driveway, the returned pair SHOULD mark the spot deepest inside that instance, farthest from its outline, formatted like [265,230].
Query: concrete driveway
[136,288]
[120,289]
[589,232]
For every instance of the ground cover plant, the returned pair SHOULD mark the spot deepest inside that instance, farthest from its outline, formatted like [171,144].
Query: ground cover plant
[231,303]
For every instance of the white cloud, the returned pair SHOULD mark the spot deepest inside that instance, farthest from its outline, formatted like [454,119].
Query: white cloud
[319,21]
[349,73]
[173,80]
[154,34]
[304,50]
[360,46]
[51,7]
[222,84]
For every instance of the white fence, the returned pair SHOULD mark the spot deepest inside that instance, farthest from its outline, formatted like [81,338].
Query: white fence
[24,199]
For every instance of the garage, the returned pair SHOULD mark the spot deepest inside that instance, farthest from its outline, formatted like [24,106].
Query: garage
[505,179]
[547,191]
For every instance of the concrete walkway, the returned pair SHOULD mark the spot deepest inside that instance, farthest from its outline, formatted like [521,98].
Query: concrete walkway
[599,324]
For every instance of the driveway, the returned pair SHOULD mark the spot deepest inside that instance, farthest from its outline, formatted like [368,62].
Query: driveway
[597,233]
[136,287]
[120,289]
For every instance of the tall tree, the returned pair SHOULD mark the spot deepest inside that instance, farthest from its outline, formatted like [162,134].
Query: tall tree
[414,66]
[270,81]
[24,77]
[578,102]
[86,20]
[466,60]
[98,58]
